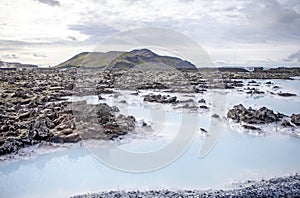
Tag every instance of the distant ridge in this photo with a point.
(4, 64)
(123, 60)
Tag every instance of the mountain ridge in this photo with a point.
(123, 60)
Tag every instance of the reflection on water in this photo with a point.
(235, 157)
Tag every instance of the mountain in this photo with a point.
(15, 65)
(91, 59)
(123, 60)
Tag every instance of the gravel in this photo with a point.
(288, 186)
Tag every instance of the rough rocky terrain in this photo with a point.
(32, 110)
(276, 187)
(32, 106)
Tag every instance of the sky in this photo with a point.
(232, 32)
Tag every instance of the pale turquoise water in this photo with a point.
(235, 157)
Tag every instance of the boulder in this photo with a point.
(250, 127)
(160, 98)
(203, 107)
(295, 118)
(10, 145)
(286, 123)
(286, 94)
(215, 116)
(201, 101)
(39, 129)
(261, 116)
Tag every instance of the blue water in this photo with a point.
(235, 157)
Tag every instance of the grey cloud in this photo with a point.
(72, 38)
(250, 22)
(263, 21)
(39, 55)
(12, 42)
(50, 2)
(96, 31)
(18, 43)
(222, 63)
(293, 57)
(242, 22)
(9, 56)
(186, 0)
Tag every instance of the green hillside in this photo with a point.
(122, 60)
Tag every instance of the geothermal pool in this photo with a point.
(236, 156)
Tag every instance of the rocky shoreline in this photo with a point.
(288, 186)
(33, 106)
(33, 109)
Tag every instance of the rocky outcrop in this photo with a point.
(253, 91)
(101, 121)
(153, 85)
(252, 119)
(261, 116)
(32, 109)
(250, 127)
(295, 118)
(160, 98)
(24, 125)
(112, 123)
(286, 94)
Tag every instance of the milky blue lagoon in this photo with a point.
(237, 156)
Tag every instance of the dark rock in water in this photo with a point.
(286, 123)
(9, 146)
(201, 101)
(160, 98)
(100, 97)
(261, 116)
(252, 81)
(227, 86)
(105, 113)
(251, 127)
(203, 107)
(199, 89)
(203, 130)
(295, 118)
(286, 94)
(99, 91)
(113, 125)
(135, 93)
(153, 85)
(254, 91)
(187, 101)
(236, 83)
(215, 116)
(191, 106)
(123, 101)
(268, 83)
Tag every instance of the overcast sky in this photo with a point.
(240, 32)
